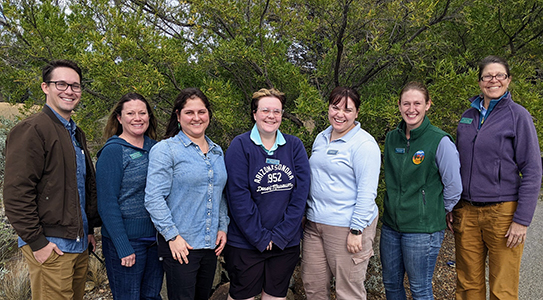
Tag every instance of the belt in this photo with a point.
(481, 204)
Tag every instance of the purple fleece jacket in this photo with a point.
(500, 161)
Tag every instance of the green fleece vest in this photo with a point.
(414, 191)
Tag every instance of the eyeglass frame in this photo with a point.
(68, 85)
(493, 76)
(272, 111)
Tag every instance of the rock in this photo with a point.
(89, 286)
(221, 293)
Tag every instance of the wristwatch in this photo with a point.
(356, 231)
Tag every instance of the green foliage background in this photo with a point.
(231, 48)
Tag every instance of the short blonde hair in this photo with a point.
(273, 92)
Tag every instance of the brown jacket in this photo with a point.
(40, 185)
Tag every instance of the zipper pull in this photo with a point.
(424, 197)
(78, 239)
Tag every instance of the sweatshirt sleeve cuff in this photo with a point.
(123, 247)
(279, 241)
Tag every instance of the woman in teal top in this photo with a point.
(128, 235)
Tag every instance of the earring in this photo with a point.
(178, 125)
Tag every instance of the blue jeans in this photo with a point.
(141, 281)
(414, 253)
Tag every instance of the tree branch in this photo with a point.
(339, 41)
(261, 38)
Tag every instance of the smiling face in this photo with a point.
(268, 123)
(413, 107)
(494, 88)
(342, 117)
(194, 118)
(63, 102)
(134, 118)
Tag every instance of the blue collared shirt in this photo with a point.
(344, 179)
(479, 104)
(279, 140)
(68, 245)
(184, 191)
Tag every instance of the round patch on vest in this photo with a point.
(418, 157)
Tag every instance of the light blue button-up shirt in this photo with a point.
(184, 192)
(68, 245)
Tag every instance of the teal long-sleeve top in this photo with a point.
(121, 173)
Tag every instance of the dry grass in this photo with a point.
(97, 272)
(8, 242)
(15, 283)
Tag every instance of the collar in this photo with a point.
(279, 140)
(478, 102)
(70, 125)
(187, 141)
(417, 132)
(345, 138)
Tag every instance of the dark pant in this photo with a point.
(141, 281)
(252, 271)
(188, 281)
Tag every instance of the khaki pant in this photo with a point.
(59, 277)
(325, 255)
(478, 231)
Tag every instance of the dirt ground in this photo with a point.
(13, 111)
(444, 281)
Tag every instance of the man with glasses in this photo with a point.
(50, 189)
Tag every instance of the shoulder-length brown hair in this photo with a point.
(173, 127)
(113, 127)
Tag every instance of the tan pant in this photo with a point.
(59, 277)
(478, 231)
(325, 255)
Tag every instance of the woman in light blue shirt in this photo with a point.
(184, 196)
(341, 210)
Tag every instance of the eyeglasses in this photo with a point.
(62, 86)
(276, 112)
(500, 76)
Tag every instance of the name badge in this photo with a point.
(272, 161)
(136, 155)
(400, 150)
(332, 152)
(466, 121)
